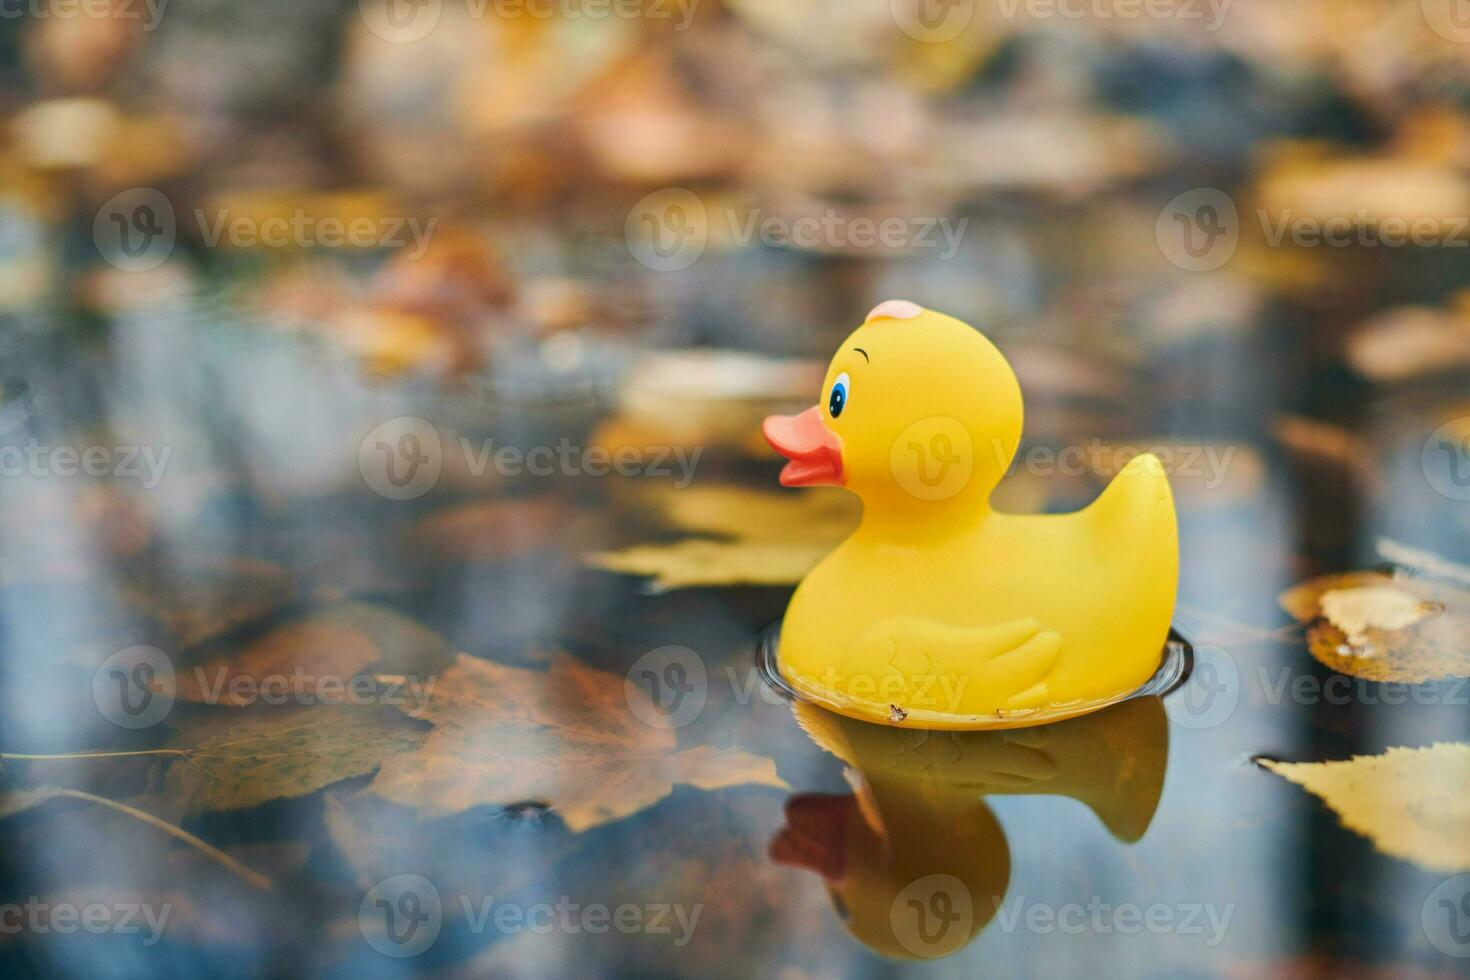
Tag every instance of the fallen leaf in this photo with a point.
(1411, 803)
(772, 538)
(1383, 627)
(569, 737)
(1379, 607)
(200, 598)
(312, 656)
(242, 759)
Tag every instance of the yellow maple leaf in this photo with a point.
(1413, 803)
(569, 736)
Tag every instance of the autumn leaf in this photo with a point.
(329, 647)
(1384, 627)
(1412, 803)
(568, 736)
(242, 759)
(771, 538)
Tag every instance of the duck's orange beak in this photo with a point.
(814, 450)
(815, 835)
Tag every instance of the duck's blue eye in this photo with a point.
(837, 401)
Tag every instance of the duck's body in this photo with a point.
(939, 611)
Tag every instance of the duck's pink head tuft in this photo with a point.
(894, 309)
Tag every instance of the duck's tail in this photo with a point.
(1134, 516)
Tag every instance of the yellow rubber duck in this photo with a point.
(914, 859)
(940, 612)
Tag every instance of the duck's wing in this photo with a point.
(962, 669)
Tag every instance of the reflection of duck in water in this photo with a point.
(916, 863)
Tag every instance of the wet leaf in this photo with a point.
(774, 538)
(242, 759)
(1413, 803)
(1385, 627)
(309, 657)
(568, 737)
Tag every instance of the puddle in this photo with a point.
(1176, 662)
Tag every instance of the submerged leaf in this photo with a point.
(1413, 803)
(242, 759)
(567, 736)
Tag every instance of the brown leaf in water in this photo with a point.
(1412, 803)
(200, 598)
(242, 759)
(317, 656)
(1383, 627)
(567, 736)
(773, 538)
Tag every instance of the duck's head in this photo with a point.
(917, 408)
